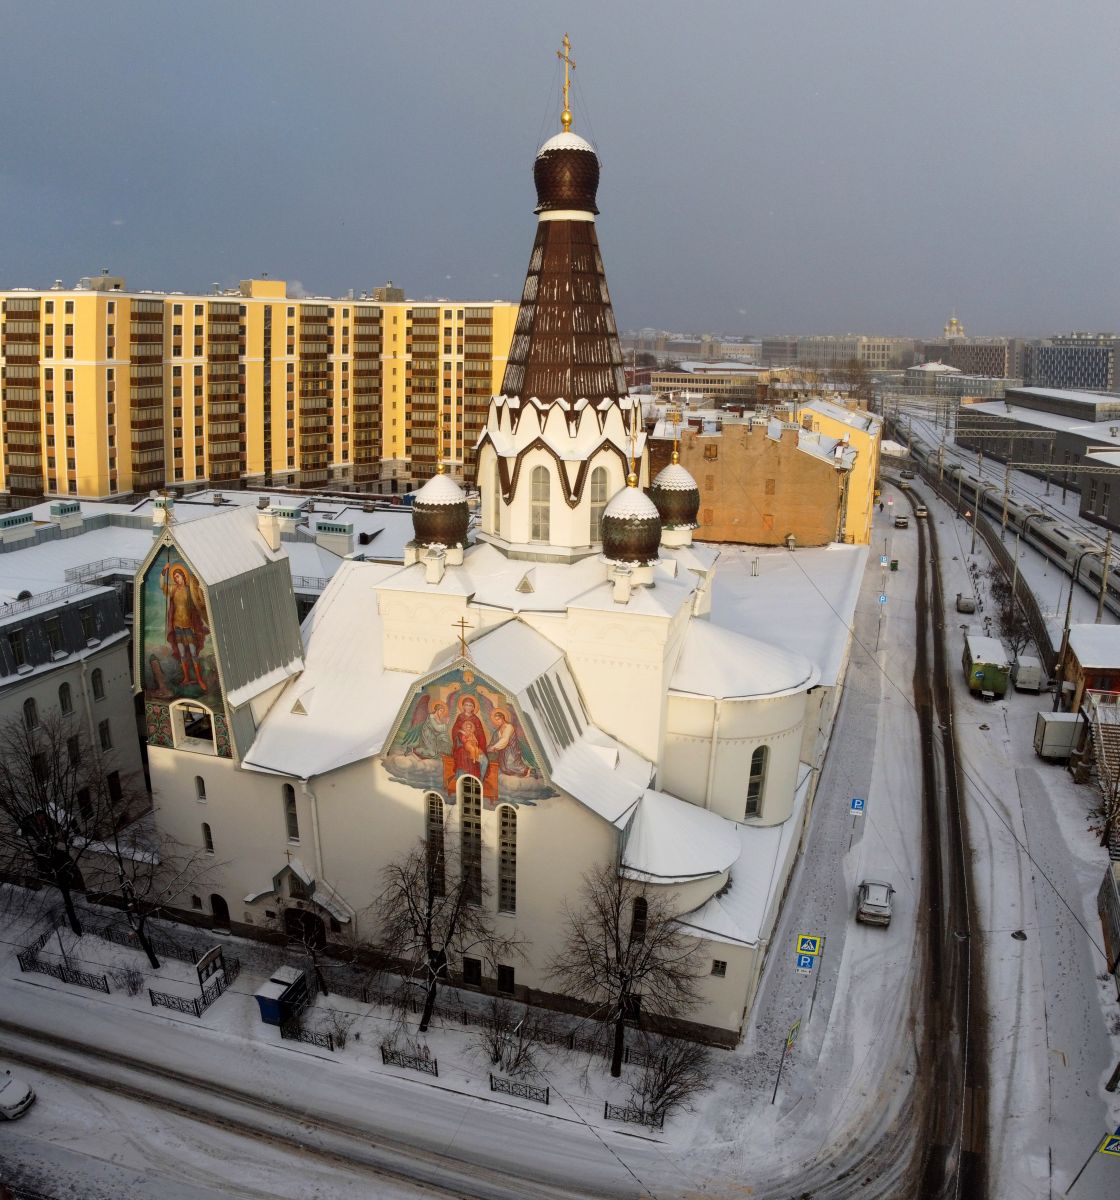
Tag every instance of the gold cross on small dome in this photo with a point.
(565, 57)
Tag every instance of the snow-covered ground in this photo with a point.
(845, 1083)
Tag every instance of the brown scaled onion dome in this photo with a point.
(566, 174)
(439, 513)
(677, 496)
(631, 526)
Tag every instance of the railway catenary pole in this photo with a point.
(1104, 577)
(1006, 494)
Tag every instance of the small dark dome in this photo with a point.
(631, 527)
(566, 174)
(439, 513)
(677, 497)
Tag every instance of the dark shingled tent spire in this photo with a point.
(565, 344)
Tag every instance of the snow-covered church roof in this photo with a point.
(720, 663)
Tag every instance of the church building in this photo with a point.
(540, 684)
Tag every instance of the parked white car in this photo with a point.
(873, 902)
(16, 1097)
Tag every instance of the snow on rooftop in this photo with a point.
(719, 662)
(565, 141)
(631, 503)
(1096, 645)
(674, 478)
(602, 774)
(440, 490)
(670, 840)
(743, 912)
(987, 649)
(226, 544)
(802, 600)
(514, 655)
(349, 699)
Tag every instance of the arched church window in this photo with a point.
(200, 789)
(496, 501)
(639, 915)
(507, 859)
(207, 838)
(756, 781)
(470, 837)
(65, 699)
(97, 683)
(539, 505)
(30, 714)
(291, 814)
(437, 882)
(598, 502)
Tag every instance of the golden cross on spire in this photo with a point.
(462, 625)
(565, 57)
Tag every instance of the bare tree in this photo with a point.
(626, 955)
(145, 874)
(672, 1073)
(433, 911)
(509, 1036)
(1011, 618)
(60, 793)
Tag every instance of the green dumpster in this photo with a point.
(894, 564)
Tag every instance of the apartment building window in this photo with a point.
(50, 306)
(505, 980)
(719, 967)
(176, 310)
(53, 627)
(198, 310)
(472, 972)
(105, 735)
(1092, 495)
(18, 647)
(69, 306)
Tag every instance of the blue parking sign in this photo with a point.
(858, 805)
(804, 962)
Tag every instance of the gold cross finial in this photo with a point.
(565, 57)
(462, 625)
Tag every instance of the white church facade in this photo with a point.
(541, 686)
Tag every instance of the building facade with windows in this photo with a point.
(546, 697)
(64, 659)
(107, 392)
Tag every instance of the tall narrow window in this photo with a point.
(538, 509)
(97, 684)
(437, 882)
(207, 838)
(30, 714)
(639, 915)
(65, 699)
(470, 838)
(53, 627)
(200, 789)
(291, 817)
(756, 781)
(598, 494)
(105, 734)
(496, 516)
(507, 859)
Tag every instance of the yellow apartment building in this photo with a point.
(863, 431)
(108, 392)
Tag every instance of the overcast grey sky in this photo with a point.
(768, 165)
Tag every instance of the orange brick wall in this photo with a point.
(756, 490)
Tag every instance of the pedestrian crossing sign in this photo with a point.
(809, 943)
(1111, 1144)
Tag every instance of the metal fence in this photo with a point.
(29, 961)
(514, 1087)
(633, 1116)
(414, 1062)
(197, 1005)
(292, 1031)
(161, 948)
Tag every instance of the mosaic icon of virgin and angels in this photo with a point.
(459, 725)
